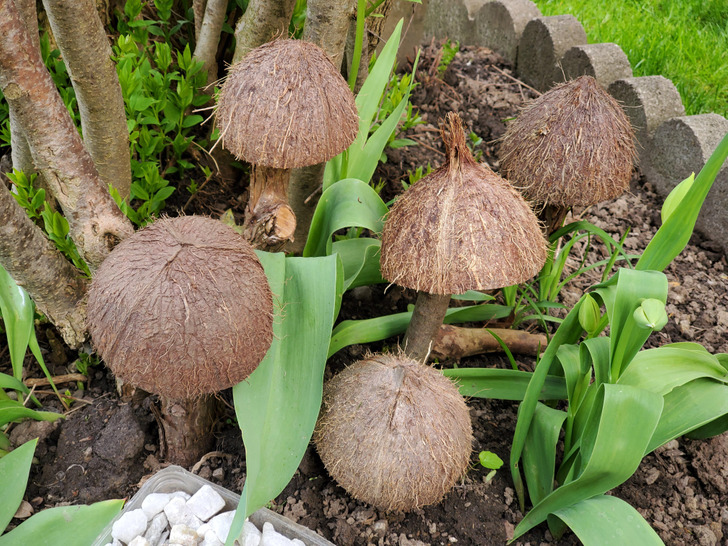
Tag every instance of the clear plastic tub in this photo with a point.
(176, 478)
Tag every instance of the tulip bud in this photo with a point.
(589, 314)
(651, 314)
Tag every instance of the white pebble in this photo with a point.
(129, 526)
(211, 539)
(178, 514)
(297, 542)
(156, 529)
(140, 541)
(221, 524)
(202, 529)
(154, 503)
(205, 503)
(272, 538)
(251, 534)
(183, 535)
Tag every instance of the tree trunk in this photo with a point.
(209, 37)
(81, 37)
(96, 223)
(57, 288)
(327, 24)
(187, 429)
(261, 22)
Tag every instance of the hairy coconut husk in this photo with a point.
(285, 105)
(573, 145)
(462, 227)
(181, 308)
(393, 432)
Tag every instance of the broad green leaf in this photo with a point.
(17, 310)
(621, 430)
(348, 203)
(661, 370)
(539, 452)
(689, 407)
(360, 259)
(675, 232)
(13, 410)
(67, 525)
(608, 520)
(502, 384)
(9, 382)
(277, 406)
(350, 332)
(14, 471)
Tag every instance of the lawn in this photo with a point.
(683, 40)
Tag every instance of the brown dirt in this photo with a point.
(680, 488)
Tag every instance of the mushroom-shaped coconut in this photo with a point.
(394, 432)
(572, 146)
(284, 105)
(460, 228)
(182, 309)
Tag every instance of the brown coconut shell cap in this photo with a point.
(573, 145)
(393, 432)
(462, 227)
(285, 105)
(181, 308)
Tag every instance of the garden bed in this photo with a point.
(107, 446)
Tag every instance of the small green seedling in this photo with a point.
(491, 461)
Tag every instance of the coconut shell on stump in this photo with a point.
(182, 309)
(284, 105)
(462, 227)
(572, 146)
(393, 432)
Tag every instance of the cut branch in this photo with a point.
(81, 37)
(96, 223)
(458, 342)
(269, 221)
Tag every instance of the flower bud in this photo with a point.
(589, 314)
(651, 314)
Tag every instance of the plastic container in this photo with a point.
(176, 478)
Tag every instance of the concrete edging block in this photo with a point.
(544, 41)
(605, 62)
(499, 25)
(681, 146)
(648, 101)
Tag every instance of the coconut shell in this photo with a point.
(462, 227)
(393, 432)
(181, 308)
(285, 105)
(573, 145)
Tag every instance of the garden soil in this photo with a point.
(108, 444)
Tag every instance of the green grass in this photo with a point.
(683, 40)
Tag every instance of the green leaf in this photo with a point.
(539, 452)
(139, 103)
(277, 406)
(490, 460)
(14, 471)
(674, 234)
(608, 520)
(13, 410)
(191, 120)
(360, 260)
(348, 203)
(67, 525)
(624, 418)
(17, 311)
(502, 384)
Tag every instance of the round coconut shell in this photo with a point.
(285, 105)
(393, 432)
(181, 308)
(462, 227)
(573, 145)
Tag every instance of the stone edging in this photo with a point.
(548, 50)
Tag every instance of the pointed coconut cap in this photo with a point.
(181, 308)
(462, 227)
(393, 432)
(574, 145)
(285, 105)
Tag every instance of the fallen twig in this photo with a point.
(458, 342)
